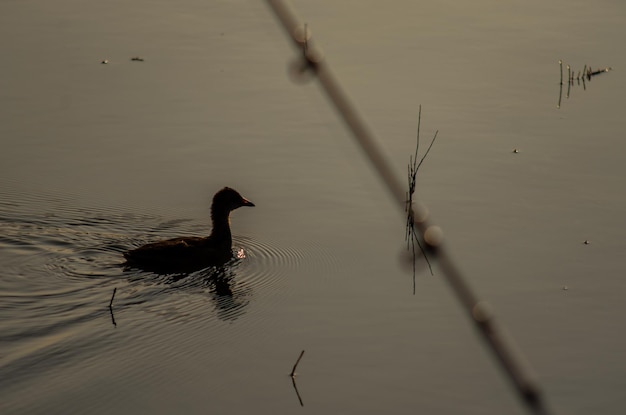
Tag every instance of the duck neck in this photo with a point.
(221, 228)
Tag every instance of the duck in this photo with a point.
(193, 252)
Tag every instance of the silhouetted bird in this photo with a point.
(193, 252)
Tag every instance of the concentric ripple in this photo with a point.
(75, 252)
(264, 264)
(61, 263)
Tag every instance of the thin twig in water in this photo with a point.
(112, 297)
(293, 371)
(569, 74)
(111, 307)
(293, 377)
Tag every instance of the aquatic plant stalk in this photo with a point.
(431, 235)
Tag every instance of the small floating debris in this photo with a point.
(565, 288)
(137, 58)
(515, 150)
(104, 61)
(587, 242)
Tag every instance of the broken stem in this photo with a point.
(112, 297)
(293, 371)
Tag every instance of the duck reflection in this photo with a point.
(228, 296)
(220, 282)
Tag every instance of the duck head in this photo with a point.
(228, 199)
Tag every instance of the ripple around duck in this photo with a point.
(62, 262)
(256, 271)
(260, 271)
(264, 264)
(268, 255)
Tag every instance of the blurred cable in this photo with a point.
(312, 62)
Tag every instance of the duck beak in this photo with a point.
(246, 202)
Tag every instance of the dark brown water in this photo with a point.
(99, 158)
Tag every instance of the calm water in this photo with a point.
(97, 159)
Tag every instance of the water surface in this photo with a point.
(99, 158)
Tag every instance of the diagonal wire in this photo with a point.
(493, 334)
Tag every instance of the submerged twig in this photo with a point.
(293, 371)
